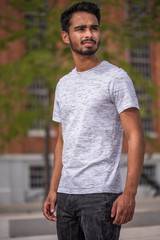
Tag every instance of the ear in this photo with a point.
(65, 37)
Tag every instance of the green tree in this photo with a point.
(42, 61)
(46, 58)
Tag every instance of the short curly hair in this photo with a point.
(79, 7)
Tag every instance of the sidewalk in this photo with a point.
(17, 221)
(140, 233)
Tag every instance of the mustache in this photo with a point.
(86, 40)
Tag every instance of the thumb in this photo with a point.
(114, 209)
(52, 207)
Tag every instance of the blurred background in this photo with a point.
(32, 60)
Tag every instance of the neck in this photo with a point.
(84, 63)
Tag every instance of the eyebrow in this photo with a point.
(84, 26)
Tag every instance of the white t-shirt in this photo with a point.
(88, 105)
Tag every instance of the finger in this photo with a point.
(126, 217)
(47, 215)
(129, 217)
(52, 210)
(123, 217)
(122, 220)
(50, 216)
(114, 209)
(54, 219)
(53, 216)
(117, 221)
(118, 217)
(52, 207)
(46, 210)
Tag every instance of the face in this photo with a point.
(84, 34)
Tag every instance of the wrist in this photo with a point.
(52, 191)
(131, 188)
(130, 192)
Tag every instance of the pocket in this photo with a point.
(113, 196)
(62, 200)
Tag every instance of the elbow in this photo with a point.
(137, 139)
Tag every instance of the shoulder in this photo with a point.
(112, 74)
(109, 68)
(65, 80)
(118, 79)
(122, 79)
(116, 74)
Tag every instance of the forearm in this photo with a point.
(135, 162)
(50, 202)
(123, 207)
(57, 167)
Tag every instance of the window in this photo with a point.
(36, 177)
(37, 20)
(140, 60)
(41, 96)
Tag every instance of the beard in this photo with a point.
(87, 52)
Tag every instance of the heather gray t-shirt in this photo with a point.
(88, 104)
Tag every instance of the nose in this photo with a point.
(88, 34)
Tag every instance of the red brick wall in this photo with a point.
(155, 59)
(21, 144)
(13, 52)
(17, 48)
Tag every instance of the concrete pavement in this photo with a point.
(26, 222)
(140, 233)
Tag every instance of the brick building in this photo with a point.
(26, 154)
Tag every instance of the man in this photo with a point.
(92, 104)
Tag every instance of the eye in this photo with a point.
(95, 28)
(80, 29)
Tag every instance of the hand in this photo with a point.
(49, 206)
(123, 208)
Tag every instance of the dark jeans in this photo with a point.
(86, 217)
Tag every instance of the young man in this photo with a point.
(92, 104)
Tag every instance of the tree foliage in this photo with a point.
(37, 25)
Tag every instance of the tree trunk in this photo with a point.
(47, 162)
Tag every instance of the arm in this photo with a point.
(123, 207)
(50, 202)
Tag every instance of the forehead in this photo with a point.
(83, 18)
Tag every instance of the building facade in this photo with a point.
(22, 161)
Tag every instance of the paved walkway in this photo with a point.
(145, 225)
(138, 233)
(141, 233)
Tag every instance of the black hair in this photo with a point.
(79, 7)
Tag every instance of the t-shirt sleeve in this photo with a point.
(123, 92)
(56, 108)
